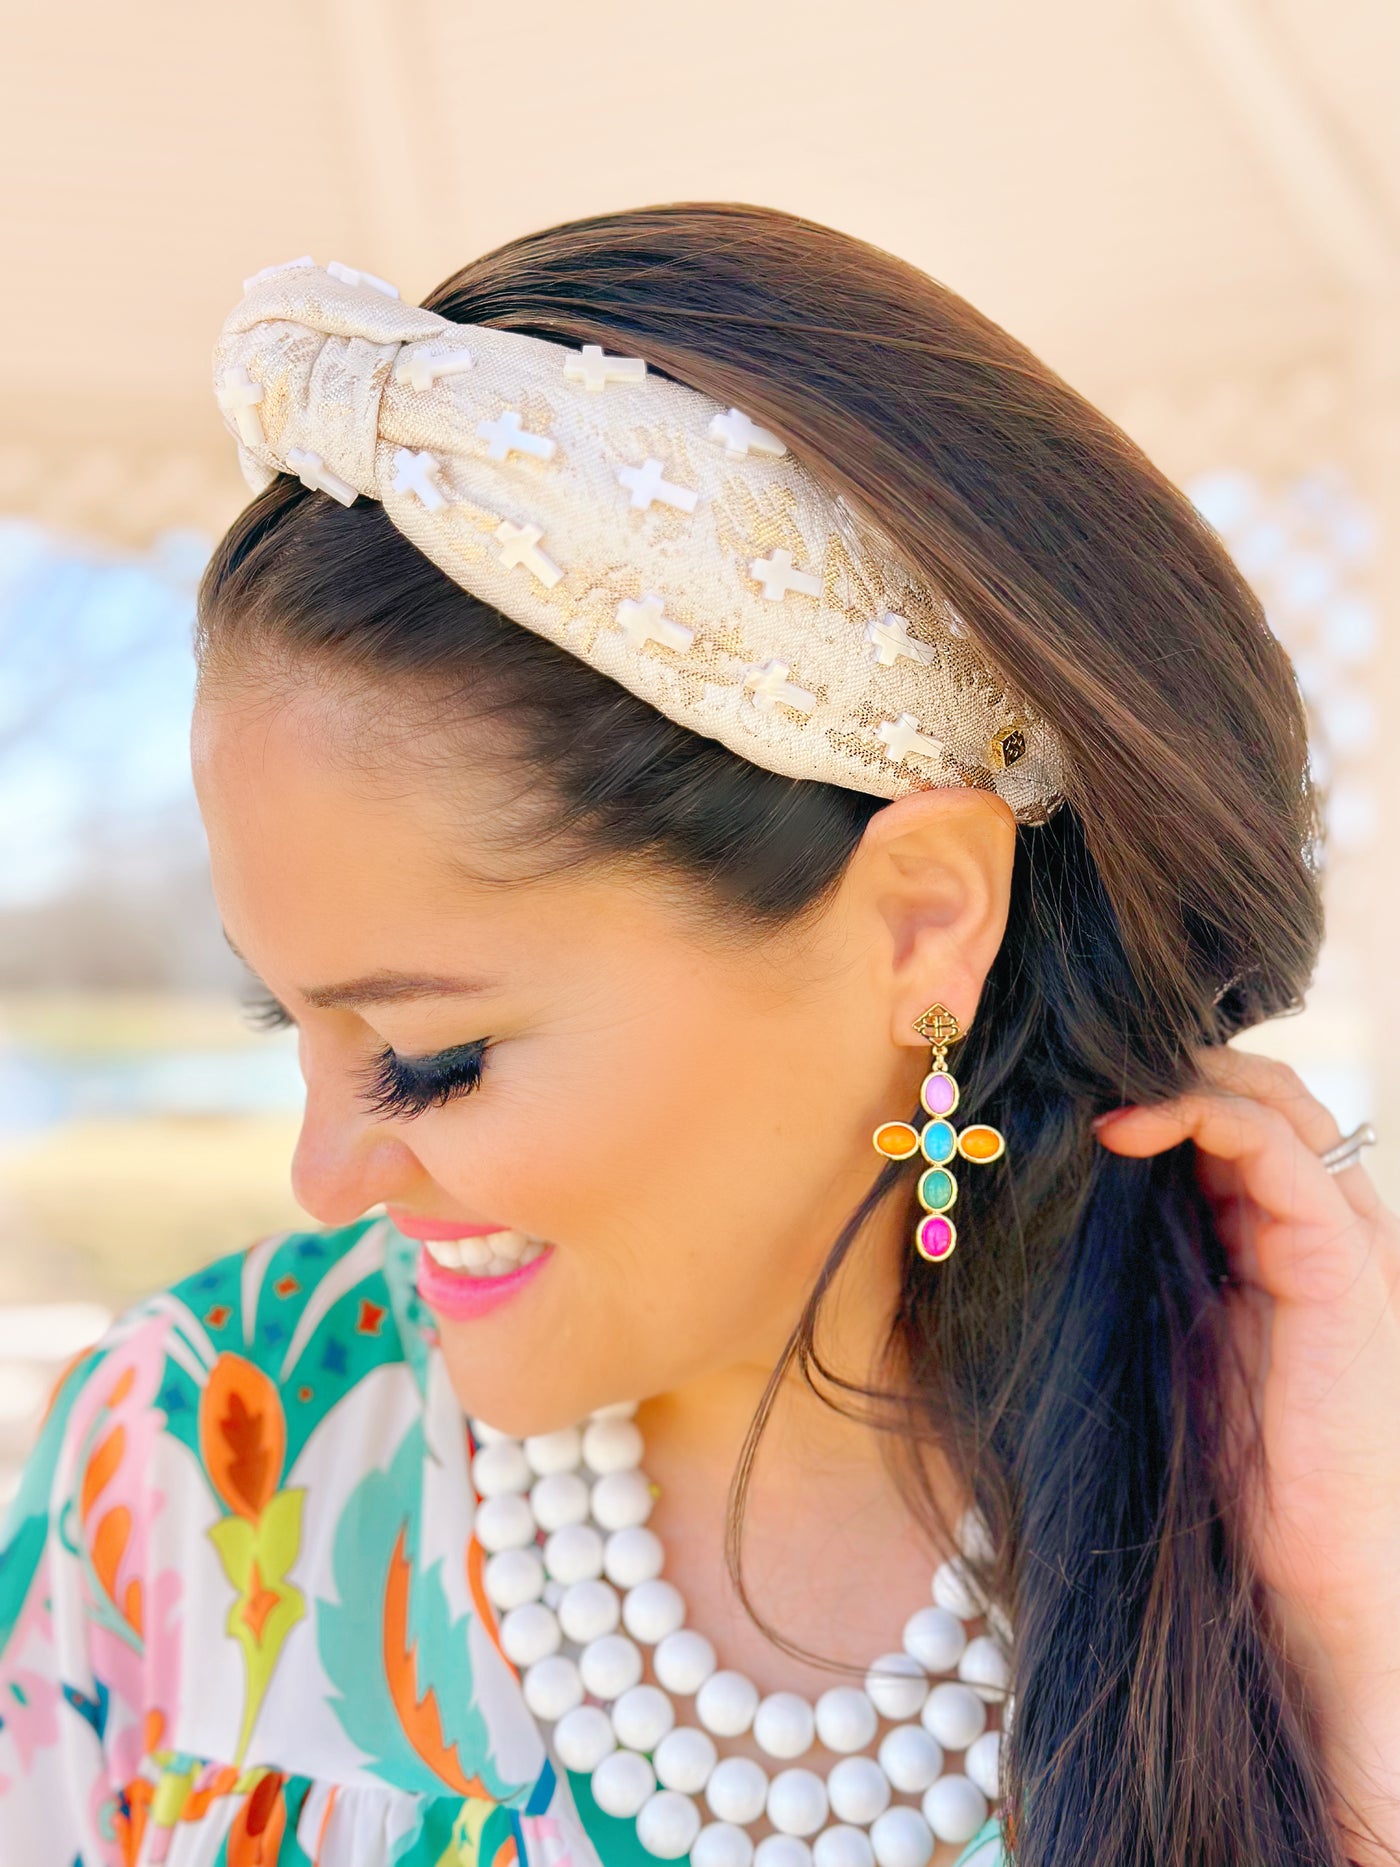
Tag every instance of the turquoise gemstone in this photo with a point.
(937, 1189)
(939, 1142)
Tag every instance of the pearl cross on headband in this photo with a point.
(677, 546)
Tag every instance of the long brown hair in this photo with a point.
(1069, 1359)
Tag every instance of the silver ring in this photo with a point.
(1345, 1152)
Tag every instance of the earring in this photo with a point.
(935, 1234)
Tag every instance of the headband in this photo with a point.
(671, 543)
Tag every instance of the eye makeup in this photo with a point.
(402, 1087)
(391, 1086)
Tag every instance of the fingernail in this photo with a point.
(1113, 1115)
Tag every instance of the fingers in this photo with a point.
(1237, 1227)
(1244, 1073)
(1281, 1088)
(1273, 1167)
(1309, 1243)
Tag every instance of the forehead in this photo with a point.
(302, 764)
(333, 832)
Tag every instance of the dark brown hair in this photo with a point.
(1069, 1361)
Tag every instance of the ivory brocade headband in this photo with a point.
(671, 543)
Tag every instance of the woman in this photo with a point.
(707, 697)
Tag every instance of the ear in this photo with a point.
(931, 882)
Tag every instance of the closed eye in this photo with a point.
(391, 1086)
(401, 1087)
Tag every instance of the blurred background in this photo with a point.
(1190, 208)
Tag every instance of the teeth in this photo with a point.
(493, 1254)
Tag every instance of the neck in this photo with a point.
(705, 1418)
(824, 1502)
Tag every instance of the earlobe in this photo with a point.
(939, 880)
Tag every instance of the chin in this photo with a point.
(523, 1408)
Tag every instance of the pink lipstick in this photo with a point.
(466, 1271)
(462, 1296)
(413, 1227)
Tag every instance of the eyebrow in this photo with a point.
(385, 988)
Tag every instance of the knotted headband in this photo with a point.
(669, 542)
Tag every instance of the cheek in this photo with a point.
(565, 1135)
(696, 1127)
(690, 1186)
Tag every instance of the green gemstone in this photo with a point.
(937, 1189)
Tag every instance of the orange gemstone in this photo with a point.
(981, 1143)
(897, 1140)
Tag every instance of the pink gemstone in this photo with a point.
(936, 1236)
(940, 1096)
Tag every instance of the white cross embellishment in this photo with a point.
(520, 545)
(507, 437)
(740, 435)
(352, 275)
(777, 576)
(904, 740)
(417, 473)
(648, 482)
(768, 683)
(312, 471)
(889, 636)
(421, 368)
(595, 370)
(239, 396)
(644, 622)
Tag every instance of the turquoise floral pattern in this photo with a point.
(242, 1621)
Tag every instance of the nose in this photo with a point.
(345, 1162)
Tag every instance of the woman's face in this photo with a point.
(680, 1115)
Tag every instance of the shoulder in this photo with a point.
(313, 1313)
(233, 1372)
(243, 1533)
(298, 1321)
(252, 1358)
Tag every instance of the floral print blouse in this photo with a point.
(242, 1621)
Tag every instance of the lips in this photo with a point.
(413, 1227)
(461, 1279)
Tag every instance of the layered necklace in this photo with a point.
(576, 1579)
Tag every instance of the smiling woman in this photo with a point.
(689, 698)
(627, 1036)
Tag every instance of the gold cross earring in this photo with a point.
(935, 1234)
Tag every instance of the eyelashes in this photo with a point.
(396, 1086)
(264, 1012)
(391, 1086)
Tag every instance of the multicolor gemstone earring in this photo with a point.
(935, 1235)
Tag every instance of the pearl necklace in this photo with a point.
(562, 1518)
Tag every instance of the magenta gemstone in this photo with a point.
(939, 1094)
(936, 1236)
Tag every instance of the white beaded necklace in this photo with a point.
(576, 1612)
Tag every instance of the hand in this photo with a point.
(1313, 1305)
